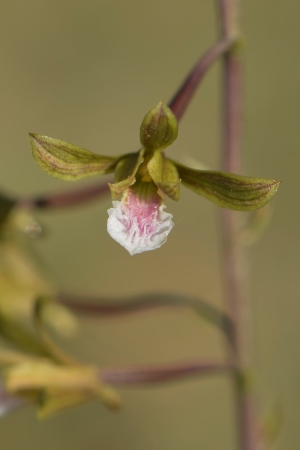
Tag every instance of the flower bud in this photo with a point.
(159, 127)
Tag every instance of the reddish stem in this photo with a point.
(69, 198)
(93, 307)
(128, 376)
(236, 298)
(185, 93)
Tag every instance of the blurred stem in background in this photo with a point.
(234, 264)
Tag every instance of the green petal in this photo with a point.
(165, 175)
(228, 190)
(125, 172)
(66, 161)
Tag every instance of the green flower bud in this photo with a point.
(159, 127)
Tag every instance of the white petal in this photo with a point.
(139, 226)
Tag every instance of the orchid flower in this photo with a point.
(138, 220)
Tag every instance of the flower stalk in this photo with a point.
(234, 263)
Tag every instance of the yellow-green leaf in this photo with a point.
(53, 401)
(43, 374)
(68, 162)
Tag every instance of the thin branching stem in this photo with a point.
(159, 373)
(111, 307)
(73, 197)
(134, 376)
(185, 93)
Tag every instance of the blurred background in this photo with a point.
(87, 72)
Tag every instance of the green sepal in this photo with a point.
(164, 174)
(228, 190)
(125, 172)
(68, 162)
(159, 127)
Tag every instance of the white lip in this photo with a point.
(139, 226)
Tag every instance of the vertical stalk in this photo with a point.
(233, 254)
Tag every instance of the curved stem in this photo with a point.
(185, 93)
(145, 302)
(63, 199)
(133, 376)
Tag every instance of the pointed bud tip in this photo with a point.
(228, 190)
(67, 161)
(159, 127)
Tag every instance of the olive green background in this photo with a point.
(87, 72)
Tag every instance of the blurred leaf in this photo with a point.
(228, 190)
(19, 334)
(255, 227)
(59, 319)
(56, 353)
(53, 401)
(109, 397)
(66, 161)
(9, 357)
(18, 265)
(58, 386)
(6, 205)
(272, 423)
(43, 374)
